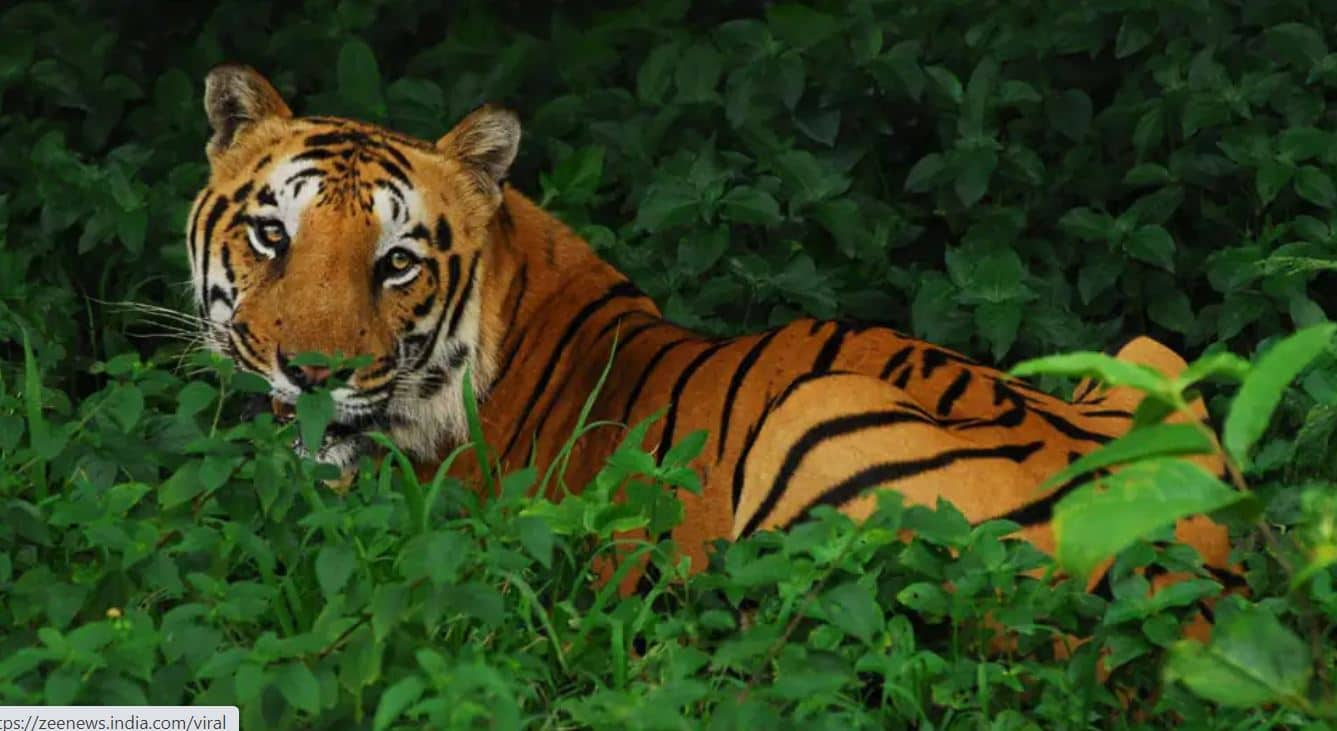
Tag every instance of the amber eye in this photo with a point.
(269, 237)
(400, 260)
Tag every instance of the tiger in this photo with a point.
(336, 235)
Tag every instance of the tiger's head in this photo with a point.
(336, 236)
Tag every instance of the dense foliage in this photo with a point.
(1011, 179)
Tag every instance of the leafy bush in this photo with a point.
(1012, 180)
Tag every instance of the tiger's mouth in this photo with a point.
(345, 440)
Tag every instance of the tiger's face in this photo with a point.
(333, 236)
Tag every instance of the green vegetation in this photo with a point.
(1010, 179)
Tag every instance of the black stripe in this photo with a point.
(740, 467)
(395, 171)
(453, 271)
(1086, 390)
(889, 473)
(932, 360)
(635, 394)
(326, 139)
(903, 380)
(243, 352)
(266, 196)
(242, 192)
(397, 155)
(218, 293)
(953, 392)
(262, 162)
(422, 309)
(1108, 413)
(679, 386)
(420, 233)
(1069, 429)
(1228, 578)
(545, 418)
(193, 241)
(314, 155)
(304, 173)
(736, 383)
(896, 360)
(443, 237)
(621, 290)
(522, 281)
(220, 206)
(830, 349)
(464, 296)
(811, 439)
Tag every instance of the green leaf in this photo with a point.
(746, 204)
(45, 442)
(437, 555)
(699, 251)
(667, 203)
(852, 608)
(478, 600)
(924, 597)
(1302, 143)
(1171, 309)
(801, 26)
(1227, 365)
(655, 76)
(1299, 43)
(973, 168)
(395, 700)
(698, 73)
(299, 686)
(360, 78)
(1087, 225)
(946, 81)
(1106, 368)
(125, 404)
(1272, 176)
(182, 486)
(537, 538)
(1148, 173)
(1251, 410)
(1315, 186)
(1070, 113)
(1159, 440)
(1153, 245)
(194, 398)
(1133, 37)
(686, 448)
(998, 323)
(334, 566)
(924, 173)
(1149, 131)
(315, 411)
(1098, 520)
(1253, 660)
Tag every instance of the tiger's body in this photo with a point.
(807, 414)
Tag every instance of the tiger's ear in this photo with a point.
(236, 97)
(486, 142)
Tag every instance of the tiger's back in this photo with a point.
(810, 413)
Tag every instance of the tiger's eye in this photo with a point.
(400, 260)
(273, 234)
